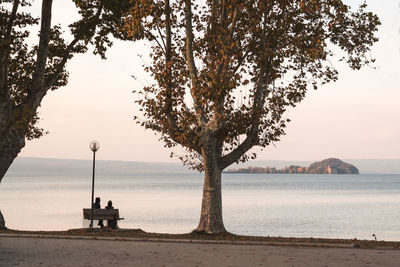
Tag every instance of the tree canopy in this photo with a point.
(207, 54)
(28, 70)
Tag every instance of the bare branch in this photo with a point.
(241, 61)
(191, 62)
(153, 37)
(161, 37)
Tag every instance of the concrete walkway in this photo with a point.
(33, 251)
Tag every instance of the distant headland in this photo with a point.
(327, 166)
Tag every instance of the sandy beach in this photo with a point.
(25, 250)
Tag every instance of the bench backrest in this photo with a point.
(101, 214)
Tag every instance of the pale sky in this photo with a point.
(356, 117)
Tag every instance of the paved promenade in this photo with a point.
(28, 251)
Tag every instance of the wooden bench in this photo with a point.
(102, 214)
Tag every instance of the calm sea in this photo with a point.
(336, 206)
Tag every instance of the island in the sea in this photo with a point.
(327, 166)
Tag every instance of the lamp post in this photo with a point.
(94, 146)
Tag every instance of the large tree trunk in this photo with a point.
(211, 207)
(2, 222)
(10, 145)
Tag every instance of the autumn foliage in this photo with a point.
(29, 69)
(226, 71)
(230, 69)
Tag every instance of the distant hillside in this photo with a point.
(332, 166)
(327, 166)
(365, 166)
(48, 166)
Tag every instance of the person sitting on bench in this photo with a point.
(96, 205)
(111, 223)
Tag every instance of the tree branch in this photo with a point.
(61, 66)
(237, 153)
(191, 62)
(251, 136)
(258, 104)
(161, 36)
(173, 129)
(213, 16)
(5, 52)
(233, 22)
(68, 50)
(12, 19)
(38, 76)
(223, 12)
(155, 39)
(240, 61)
(224, 64)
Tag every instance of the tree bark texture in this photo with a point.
(11, 144)
(211, 207)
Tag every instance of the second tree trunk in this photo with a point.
(211, 206)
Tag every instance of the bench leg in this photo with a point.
(112, 224)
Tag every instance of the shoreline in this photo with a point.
(201, 238)
(133, 247)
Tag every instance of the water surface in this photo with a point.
(332, 206)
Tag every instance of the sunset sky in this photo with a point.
(356, 117)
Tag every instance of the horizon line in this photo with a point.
(178, 161)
